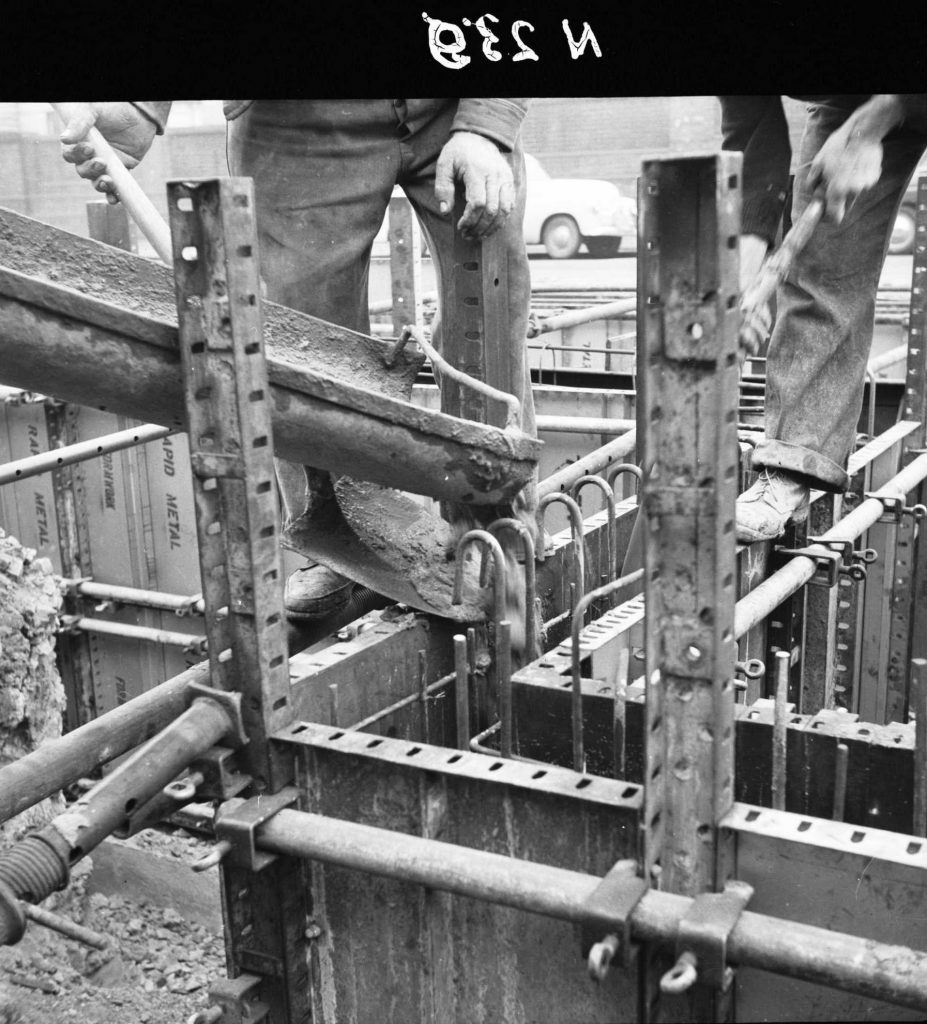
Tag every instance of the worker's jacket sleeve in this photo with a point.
(154, 110)
(499, 120)
(756, 126)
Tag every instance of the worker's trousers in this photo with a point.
(323, 172)
(816, 369)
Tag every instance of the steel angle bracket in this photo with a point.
(894, 508)
(838, 558)
(238, 820)
(222, 777)
(613, 900)
(705, 928)
(238, 999)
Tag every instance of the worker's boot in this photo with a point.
(315, 592)
(764, 510)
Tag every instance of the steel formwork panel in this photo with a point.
(868, 882)
(390, 950)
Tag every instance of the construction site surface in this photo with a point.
(699, 791)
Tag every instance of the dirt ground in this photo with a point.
(157, 967)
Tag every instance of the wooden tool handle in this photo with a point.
(758, 296)
(130, 194)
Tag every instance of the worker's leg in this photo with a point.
(821, 340)
(323, 172)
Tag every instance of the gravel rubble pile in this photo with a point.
(156, 969)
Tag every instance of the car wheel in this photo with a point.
(561, 237)
(604, 247)
(902, 240)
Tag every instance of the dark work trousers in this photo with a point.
(323, 172)
(825, 315)
(816, 368)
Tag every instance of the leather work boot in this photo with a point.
(764, 510)
(315, 591)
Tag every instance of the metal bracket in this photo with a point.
(238, 820)
(615, 897)
(838, 558)
(704, 930)
(222, 779)
(894, 508)
(230, 700)
(237, 999)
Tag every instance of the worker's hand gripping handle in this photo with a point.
(756, 299)
(130, 193)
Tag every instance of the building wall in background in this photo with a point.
(587, 137)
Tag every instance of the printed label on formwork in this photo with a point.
(31, 502)
(175, 556)
(9, 506)
(110, 508)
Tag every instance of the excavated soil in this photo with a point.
(32, 698)
(157, 966)
(156, 969)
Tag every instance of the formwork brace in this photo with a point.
(753, 608)
(895, 974)
(70, 454)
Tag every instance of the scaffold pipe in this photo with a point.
(59, 762)
(584, 424)
(575, 317)
(44, 462)
(756, 605)
(613, 452)
(895, 974)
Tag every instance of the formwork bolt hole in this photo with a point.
(857, 837)
(336, 735)
(539, 775)
(695, 331)
(413, 751)
(454, 758)
(803, 826)
(693, 653)
(131, 805)
(583, 783)
(495, 766)
(630, 791)
(299, 728)
(374, 743)
(752, 815)
(914, 847)
(703, 831)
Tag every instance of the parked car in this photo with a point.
(563, 213)
(902, 240)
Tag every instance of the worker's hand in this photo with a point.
(123, 126)
(846, 165)
(756, 314)
(752, 252)
(489, 187)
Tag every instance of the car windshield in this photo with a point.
(534, 170)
